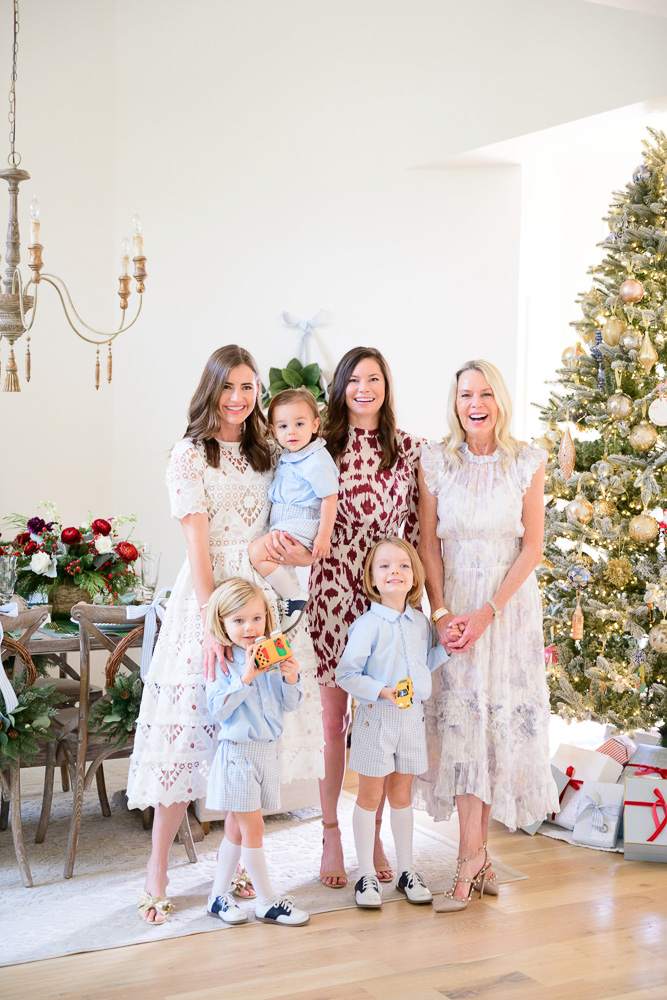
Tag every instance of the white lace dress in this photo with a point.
(488, 717)
(176, 739)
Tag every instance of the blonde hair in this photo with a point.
(231, 595)
(287, 396)
(414, 597)
(505, 442)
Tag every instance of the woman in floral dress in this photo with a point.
(218, 477)
(481, 510)
(377, 497)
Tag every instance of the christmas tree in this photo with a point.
(604, 575)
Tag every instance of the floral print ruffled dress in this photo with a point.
(488, 717)
(176, 739)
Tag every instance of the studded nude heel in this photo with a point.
(491, 884)
(448, 902)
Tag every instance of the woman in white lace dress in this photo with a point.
(218, 477)
(481, 513)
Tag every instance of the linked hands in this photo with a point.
(470, 626)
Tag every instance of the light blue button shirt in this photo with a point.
(304, 477)
(250, 711)
(383, 646)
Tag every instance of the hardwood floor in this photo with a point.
(586, 925)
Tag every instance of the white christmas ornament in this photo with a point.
(657, 411)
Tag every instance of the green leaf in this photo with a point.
(292, 378)
(277, 387)
(114, 717)
(311, 374)
(4, 739)
(275, 375)
(295, 365)
(41, 722)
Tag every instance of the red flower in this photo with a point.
(127, 551)
(31, 548)
(22, 538)
(71, 536)
(101, 527)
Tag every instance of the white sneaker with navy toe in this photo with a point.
(281, 910)
(226, 908)
(367, 892)
(411, 884)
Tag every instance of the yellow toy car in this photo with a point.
(404, 693)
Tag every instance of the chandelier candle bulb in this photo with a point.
(34, 221)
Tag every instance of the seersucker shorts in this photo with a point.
(301, 523)
(386, 739)
(244, 777)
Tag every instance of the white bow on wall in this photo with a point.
(310, 343)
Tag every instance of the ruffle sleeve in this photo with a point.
(433, 465)
(527, 462)
(185, 480)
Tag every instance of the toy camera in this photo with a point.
(270, 652)
(404, 693)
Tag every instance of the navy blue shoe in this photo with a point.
(292, 611)
(226, 908)
(281, 910)
(367, 892)
(411, 884)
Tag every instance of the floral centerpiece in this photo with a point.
(93, 561)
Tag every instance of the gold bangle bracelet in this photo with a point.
(438, 614)
(497, 613)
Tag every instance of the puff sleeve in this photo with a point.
(185, 480)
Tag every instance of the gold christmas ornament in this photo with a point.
(643, 528)
(580, 509)
(591, 301)
(657, 637)
(631, 290)
(544, 442)
(566, 454)
(630, 341)
(619, 572)
(648, 355)
(604, 508)
(643, 436)
(570, 355)
(619, 406)
(612, 331)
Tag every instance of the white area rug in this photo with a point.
(97, 907)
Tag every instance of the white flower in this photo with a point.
(40, 562)
(103, 543)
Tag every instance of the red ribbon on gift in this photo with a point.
(572, 783)
(658, 804)
(644, 769)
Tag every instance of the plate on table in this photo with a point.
(112, 628)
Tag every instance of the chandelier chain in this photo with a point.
(14, 158)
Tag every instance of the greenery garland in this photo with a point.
(22, 729)
(114, 716)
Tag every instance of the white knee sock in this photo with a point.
(401, 827)
(255, 862)
(228, 858)
(284, 583)
(363, 826)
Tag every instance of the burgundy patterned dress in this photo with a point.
(371, 505)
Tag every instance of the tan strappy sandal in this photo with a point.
(448, 902)
(337, 873)
(160, 904)
(383, 874)
(491, 884)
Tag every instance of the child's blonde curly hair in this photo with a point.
(231, 595)
(414, 597)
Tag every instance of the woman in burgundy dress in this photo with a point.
(377, 497)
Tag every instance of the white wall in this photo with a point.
(270, 147)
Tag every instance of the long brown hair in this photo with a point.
(337, 421)
(204, 419)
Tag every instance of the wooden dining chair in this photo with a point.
(79, 747)
(15, 656)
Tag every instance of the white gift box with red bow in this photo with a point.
(645, 820)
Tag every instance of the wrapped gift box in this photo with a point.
(647, 761)
(645, 820)
(562, 781)
(599, 815)
(581, 765)
(620, 748)
(641, 736)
